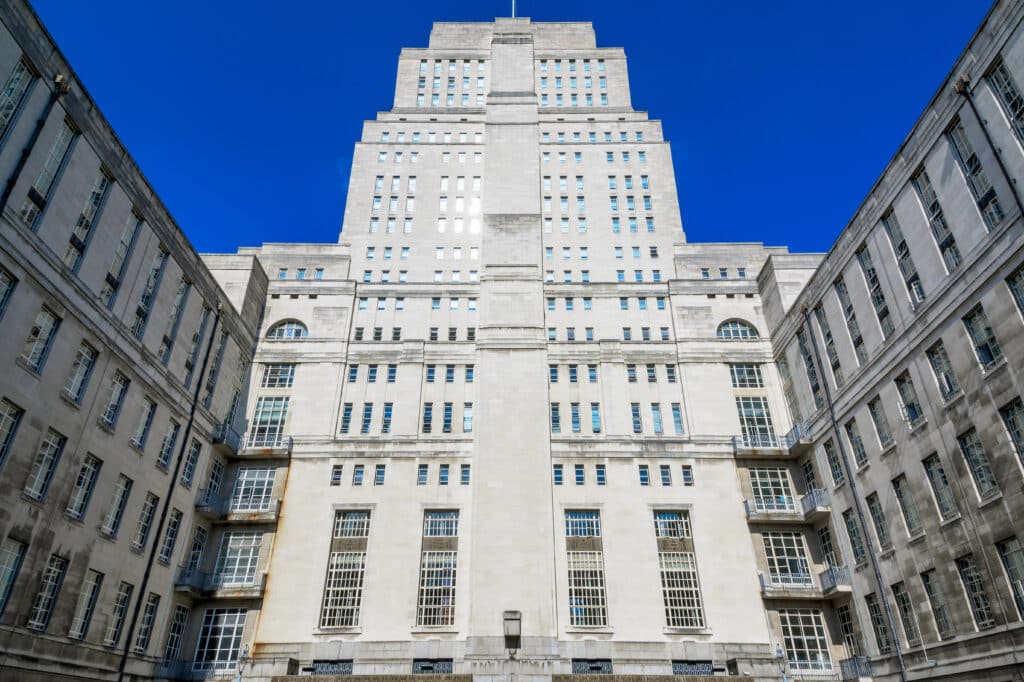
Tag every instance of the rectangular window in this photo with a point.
(12, 95)
(146, 623)
(428, 413)
(118, 390)
(843, 294)
(86, 604)
(118, 502)
(170, 536)
(985, 345)
(881, 422)
(908, 396)
(41, 189)
(803, 637)
(903, 258)
(949, 386)
(787, 559)
(163, 459)
(860, 455)
(834, 465)
(937, 602)
(44, 465)
(464, 473)
(40, 339)
(146, 514)
(941, 490)
(557, 474)
(364, 427)
(908, 506)
(853, 533)
(115, 274)
(343, 589)
(267, 427)
(983, 191)
(118, 613)
(634, 409)
(883, 636)
(830, 345)
(1011, 553)
(1014, 281)
(817, 392)
(978, 463)
(944, 238)
(46, 597)
(11, 554)
(677, 418)
(1005, 88)
(149, 291)
(176, 632)
(875, 290)
(1012, 415)
(908, 618)
(745, 375)
(281, 376)
(81, 370)
(220, 638)
(145, 423)
(756, 422)
(378, 474)
(771, 489)
(237, 559)
(977, 597)
(878, 520)
(84, 484)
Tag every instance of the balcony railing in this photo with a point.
(786, 581)
(756, 441)
(259, 440)
(815, 498)
(210, 503)
(209, 582)
(835, 577)
(797, 435)
(854, 668)
(191, 670)
(224, 435)
(773, 503)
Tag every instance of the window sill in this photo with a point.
(952, 520)
(76, 520)
(916, 537)
(686, 631)
(434, 630)
(106, 426)
(21, 362)
(861, 566)
(69, 401)
(995, 368)
(953, 400)
(140, 449)
(918, 426)
(341, 630)
(589, 629)
(990, 500)
(887, 552)
(32, 500)
(861, 468)
(887, 450)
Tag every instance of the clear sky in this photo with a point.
(243, 113)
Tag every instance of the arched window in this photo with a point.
(736, 330)
(287, 330)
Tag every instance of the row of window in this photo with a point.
(300, 273)
(609, 157)
(627, 334)
(454, 276)
(581, 204)
(467, 83)
(723, 273)
(574, 100)
(577, 136)
(414, 157)
(572, 371)
(569, 303)
(446, 137)
(601, 474)
(575, 418)
(573, 82)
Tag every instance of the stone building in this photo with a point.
(512, 423)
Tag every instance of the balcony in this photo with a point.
(218, 585)
(226, 440)
(263, 444)
(759, 445)
(237, 511)
(187, 670)
(855, 668)
(835, 582)
(816, 504)
(788, 586)
(798, 441)
(779, 508)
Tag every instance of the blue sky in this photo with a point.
(243, 113)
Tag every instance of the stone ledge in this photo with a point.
(376, 678)
(642, 678)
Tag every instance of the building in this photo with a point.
(512, 423)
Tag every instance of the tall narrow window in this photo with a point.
(881, 422)
(949, 385)
(1012, 414)
(977, 597)
(174, 320)
(903, 258)
(944, 238)
(118, 390)
(860, 456)
(944, 499)
(803, 636)
(1011, 553)
(176, 632)
(118, 613)
(81, 370)
(167, 446)
(346, 566)
(985, 345)
(908, 618)
(267, 428)
(46, 597)
(1005, 88)
(878, 520)
(585, 562)
(860, 554)
(812, 372)
(937, 602)
(680, 586)
(830, 346)
(44, 465)
(983, 191)
(220, 639)
(13, 94)
(83, 226)
(867, 266)
(141, 535)
(170, 536)
(40, 339)
(843, 294)
(112, 282)
(84, 484)
(978, 463)
(908, 506)
(787, 559)
(145, 423)
(86, 604)
(834, 465)
(41, 190)
(435, 603)
(11, 554)
(118, 502)
(883, 636)
(192, 355)
(149, 290)
(756, 422)
(908, 395)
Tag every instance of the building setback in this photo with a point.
(512, 423)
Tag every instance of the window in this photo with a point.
(11, 554)
(117, 615)
(7, 281)
(557, 474)
(86, 604)
(771, 489)
(883, 636)
(803, 635)
(587, 602)
(146, 623)
(1005, 88)
(119, 501)
(860, 456)
(12, 95)
(176, 632)
(834, 465)
(10, 417)
(908, 506)
(736, 330)
(49, 588)
(978, 464)
(977, 597)
(464, 474)
(237, 559)
(81, 370)
(875, 292)
(645, 475)
(944, 238)
(40, 339)
(908, 395)
(1014, 281)
(288, 330)
(983, 191)
(687, 473)
(556, 420)
(634, 409)
(878, 520)
(46, 180)
(84, 484)
(145, 423)
(280, 376)
(881, 422)
(843, 294)
(937, 602)
(1012, 415)
(941, 490)
(787, 559)
(949, 386)
(903, 258)
(44, 465)
(141, 535)
(830, 347)
(856, 539)
(149, 292)
(743, 375)
(267, 427)
(985, 345)
(755, 422)
(1011, 553)
(595, 417)
(343, 589)
(220, 638)
(436, 598)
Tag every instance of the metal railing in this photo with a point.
(797, 433)
(208, 582)
(815, 497)
(786, 581)
(834, 577)
(223, 433)
(750, 441)
(854, 667)
(210, 503)
(775, 503)
(259, 441)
